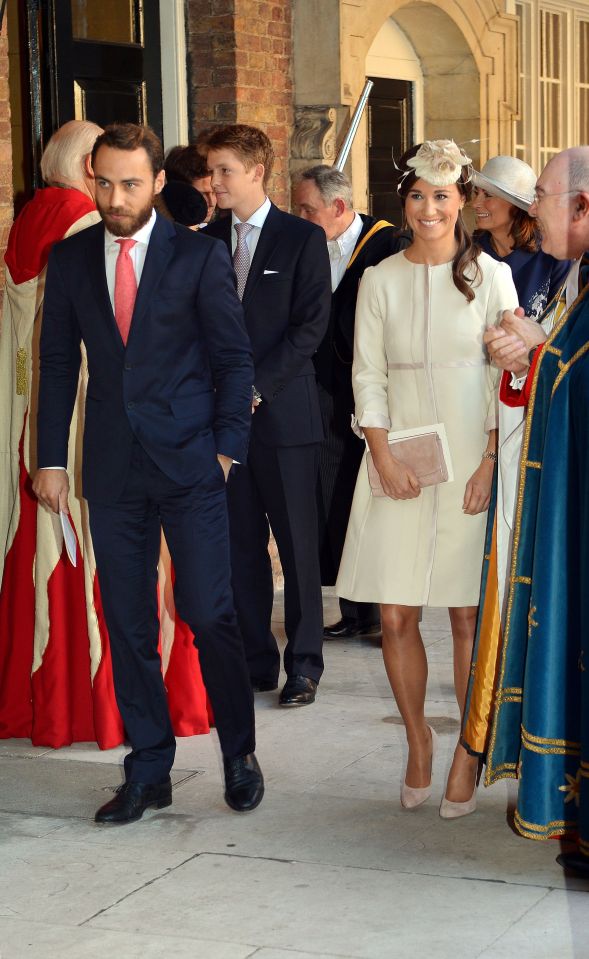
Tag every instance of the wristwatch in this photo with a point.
(490, 455)
(256, 395)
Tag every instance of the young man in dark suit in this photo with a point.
(282, 271)
(168, 409)
(323, 195)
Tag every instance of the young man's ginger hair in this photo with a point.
(250, 144)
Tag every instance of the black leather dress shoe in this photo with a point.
(575, 862)
(298, 691)
(132, 800)
(244, 783)
(350, 629)
(264, 685)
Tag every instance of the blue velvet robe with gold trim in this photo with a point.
(540, 727)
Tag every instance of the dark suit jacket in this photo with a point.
(286, 315)
(182, 386)
(333, 360)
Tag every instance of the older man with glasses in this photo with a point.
(540, 726)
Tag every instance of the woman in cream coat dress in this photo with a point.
(419, 359)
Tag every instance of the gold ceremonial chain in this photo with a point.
(21, 372)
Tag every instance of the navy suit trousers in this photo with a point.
(126, 536)
(277, 489)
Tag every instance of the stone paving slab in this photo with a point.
(359, 913)
(42, 786)
(34, 940)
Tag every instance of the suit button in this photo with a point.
(130, 405)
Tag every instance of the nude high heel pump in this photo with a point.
(454, 810)
(411, 796)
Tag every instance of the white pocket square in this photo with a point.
(267, 272)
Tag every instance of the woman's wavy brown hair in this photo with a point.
(524, 231)
(466, 271)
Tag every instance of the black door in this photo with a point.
(390, 128)
(93, 60)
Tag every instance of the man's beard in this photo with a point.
(131, 222)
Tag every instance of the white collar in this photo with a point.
(346, 241)
(258, 218)
(142, 235)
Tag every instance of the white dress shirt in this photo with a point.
(137, 254)
(256, 220)
(341, 249)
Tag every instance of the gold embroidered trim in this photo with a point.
(549, 747)
(549, 750)
(525, 580)
(558, 827)
(22, 387)
(554, 350)
(533, 465)
(504, 771)
(565, 367)
(542, 740)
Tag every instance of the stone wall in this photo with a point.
(239, 71)
(5, 154)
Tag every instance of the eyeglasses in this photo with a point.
(540, 196)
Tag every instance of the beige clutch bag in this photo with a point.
(424, 454)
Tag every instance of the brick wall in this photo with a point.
(5, 154)
(239, 71)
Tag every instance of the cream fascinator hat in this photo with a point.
(508, 178)
(438, 162)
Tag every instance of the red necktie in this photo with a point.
(125, 288)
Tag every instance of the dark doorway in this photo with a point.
(90, 59)
(390, 130)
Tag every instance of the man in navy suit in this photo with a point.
(168, 409)
(283, 278)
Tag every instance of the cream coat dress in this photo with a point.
(419, 359)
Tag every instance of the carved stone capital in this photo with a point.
(314, 132)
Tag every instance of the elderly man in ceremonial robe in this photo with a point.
(539, 729)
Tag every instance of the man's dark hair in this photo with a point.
(185, 164)
(131, 136)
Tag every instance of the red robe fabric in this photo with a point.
(512, 397)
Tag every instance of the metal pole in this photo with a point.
(340, 160)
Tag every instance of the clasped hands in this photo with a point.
(510, 343)
(400, 482)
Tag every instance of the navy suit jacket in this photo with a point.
(286, 304)
(181, 387)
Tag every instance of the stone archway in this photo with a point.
(468, 47)
(468, 52)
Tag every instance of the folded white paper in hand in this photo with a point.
(69, 536)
